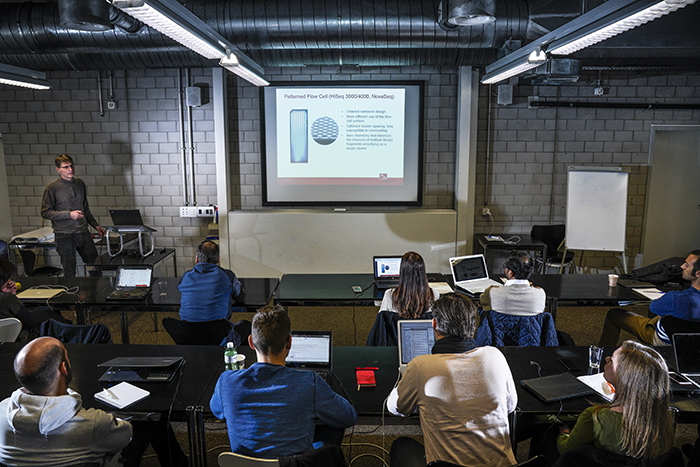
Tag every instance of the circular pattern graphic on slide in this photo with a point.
(324, 130)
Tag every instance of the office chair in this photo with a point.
(197, 332)
(553, 236)
(29, 259)
(9, 329)
(4, 251)
(231, 459)
(590, 456)
(76, 333)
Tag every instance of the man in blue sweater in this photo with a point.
(208, 291)
(271, 408)
(681, 304)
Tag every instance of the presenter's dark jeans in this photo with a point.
(68, 244)
(407, 452)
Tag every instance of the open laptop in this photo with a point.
(312, 350)
(470, 273)
(386, 271)
(686, 348)
(133, 283)
(141, 369)
(416, 337)
(128, 218)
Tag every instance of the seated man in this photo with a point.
(208, 291)
(270, 410)
(463, 394)
(683, 304)
(44, 419)
(518, 297)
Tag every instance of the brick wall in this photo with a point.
(523, 180)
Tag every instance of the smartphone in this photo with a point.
(356, 289)
(568, 364)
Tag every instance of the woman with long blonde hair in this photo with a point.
(637, 423)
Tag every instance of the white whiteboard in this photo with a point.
(596, 209)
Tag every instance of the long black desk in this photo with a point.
(317, 289)
(93, 291)
(183, 398)
(105, 262)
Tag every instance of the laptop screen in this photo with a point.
(126, 216)
(387, 267)
(134, 277)
(416, 337)
(310, 349)
(466, 268)
(687, 350)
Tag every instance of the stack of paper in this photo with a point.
(122, 395)
(650, 293)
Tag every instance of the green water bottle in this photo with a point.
(231, 357)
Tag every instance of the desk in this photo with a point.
(334, 289)
(184, 396)
(582, 288)
(107, 263)
(526, 243)
(93, 291)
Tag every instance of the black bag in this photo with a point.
(668, 270)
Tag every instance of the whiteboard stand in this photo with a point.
(596, 209)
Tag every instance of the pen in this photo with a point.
(367, 368)
(612, 388)
(111, 394)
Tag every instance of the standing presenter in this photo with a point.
(65, 204)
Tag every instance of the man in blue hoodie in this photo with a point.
(208, 290)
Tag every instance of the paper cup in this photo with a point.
(612, 280)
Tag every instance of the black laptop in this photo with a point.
(141, 369)
(128, 219)
(312, 350)
(387, 270)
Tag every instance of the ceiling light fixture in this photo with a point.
(609, 19)
(23, 77)
(231, 63)
(177, 22)
(604, 25)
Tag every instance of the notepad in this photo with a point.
(122, 395)
(599, 384)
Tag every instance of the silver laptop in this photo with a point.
(416, 337)
(686, 348)
(312, 350)
(387, 270)
(39, 293)
(469, 273)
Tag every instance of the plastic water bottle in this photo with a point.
(231, 357)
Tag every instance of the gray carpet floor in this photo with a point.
(364, 446)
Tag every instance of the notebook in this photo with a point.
(128, 218)
(686, 348)
(122, 395)
(386, 271)
(141, 369)
(38, 294)
(416, 337)
(312, 350)
(133, 283)
(557, 387)
(470, 273)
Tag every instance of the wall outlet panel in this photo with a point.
(188, 211)
(205, 211)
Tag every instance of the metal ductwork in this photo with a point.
(278, 33)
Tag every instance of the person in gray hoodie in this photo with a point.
(43, 423)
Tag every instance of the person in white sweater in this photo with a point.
(413, 297)
(517, 297)
(463, 394)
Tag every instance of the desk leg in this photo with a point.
(195, 433)
(125, 327)
(80, 313)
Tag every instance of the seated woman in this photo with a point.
(11, 306)
(413, 298)
(637, 423)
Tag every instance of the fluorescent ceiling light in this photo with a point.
(177, 22)
(231, 63)
(611, 18)
(605, 27)
(16, 76)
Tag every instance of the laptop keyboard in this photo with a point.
(129, 294)
(480, 286)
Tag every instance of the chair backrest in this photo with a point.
(551, 235)
(384, 331)
(590, 456)
(230, 459)
(28, 262)
(499, 329)
(197, 332)
(4, 251)
(673, 325)
(76, 333)
(9, 329)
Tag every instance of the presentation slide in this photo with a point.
(342, 143)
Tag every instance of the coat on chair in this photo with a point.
(498, 329)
